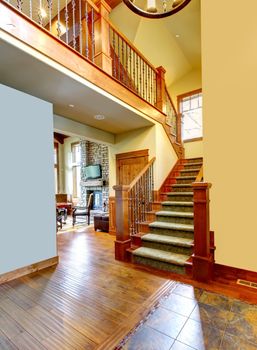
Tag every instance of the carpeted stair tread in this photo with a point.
(182, 185)
(172, 226)
(185, 177)
(194, 163)
(179, 193)
(182, 204)
(161, 255)
(178, 241)
(189, 170)
(174, 213)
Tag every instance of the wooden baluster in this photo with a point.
(86, 30)
(160, 104)
(40, 18)
(19, 5)
(102, 56)
(123, 240)
(127, 73)
(122, 60)
(119, 57)
(202, 258)
(134, 70)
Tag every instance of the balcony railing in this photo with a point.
(85, 27)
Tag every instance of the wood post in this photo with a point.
(123, 240)
(179, 127)
(102, 38)
(202, 258)
(160, 86)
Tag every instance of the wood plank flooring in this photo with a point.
(87, 302)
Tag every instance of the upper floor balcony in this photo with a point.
(80, 36)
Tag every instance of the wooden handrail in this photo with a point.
(199, 176)
(171, 102)
(131, 45)
(92, 4)
(132, 184)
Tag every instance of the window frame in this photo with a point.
(74, 169)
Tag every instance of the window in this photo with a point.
(76, 159)
(190, 106)
(56, 167)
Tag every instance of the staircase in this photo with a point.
(169, 243)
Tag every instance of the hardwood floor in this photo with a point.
(88, 302)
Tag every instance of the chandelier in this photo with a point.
(156, 8)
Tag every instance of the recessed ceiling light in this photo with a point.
(99, 116)
(177, 35)
(71, 106)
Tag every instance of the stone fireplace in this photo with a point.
(95, 153)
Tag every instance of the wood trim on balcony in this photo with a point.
(40, 39)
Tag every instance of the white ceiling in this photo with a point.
(24, 72)
(156, 38)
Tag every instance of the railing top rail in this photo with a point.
(132, 46)
(199, 176)
(132, 184)
(93, 5)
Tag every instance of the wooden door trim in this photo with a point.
(133, 154)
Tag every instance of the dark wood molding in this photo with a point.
(202, 257)
(133, 154)
(60, 137)
(193, 140)
(26, 270)
(187, 94)
(112, 216)
(232, 274)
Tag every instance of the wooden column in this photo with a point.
(102, 38)
(179, 127)
(160, 86)
(202, 258)
(123, 240)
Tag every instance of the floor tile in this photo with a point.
(249, 311)
(200, 336)
(148, 339)
(231, 342)
(181, 305)
(216, 300)
(242, 328)
(180, 346)
(212, 315)
(188, 291)
(167, 322)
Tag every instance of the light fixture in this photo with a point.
(71, 106)
(99, 117)
(156, 8)
(42, 12)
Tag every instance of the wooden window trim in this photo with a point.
(193, 140)
(187, 94)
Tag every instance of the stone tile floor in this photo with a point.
(193, 319)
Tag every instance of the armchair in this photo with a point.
(83, 211)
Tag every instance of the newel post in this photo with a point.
(202, 258)
(179, 127)
(160, 88)
(123, 240)
(102, 38)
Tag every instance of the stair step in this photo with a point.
(193, 163)
(186, 204)
(182, 185)
(160, 255)
(172, 226)
(189, 170)
(177, 241)
(175, 214)
(185, 177)
(179, 196)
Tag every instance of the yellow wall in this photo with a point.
(229, 58)
(189, 82)
(193, 149)
(153, 138)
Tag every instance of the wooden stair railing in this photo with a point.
(85, 27)
(131, 204)
(203, 260)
